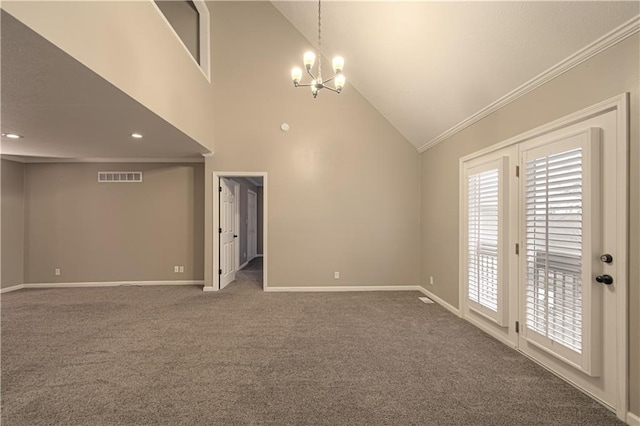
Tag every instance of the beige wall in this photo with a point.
(129, 44)
(113, 231)
(343, 184)
(606, 75)
(12, 223)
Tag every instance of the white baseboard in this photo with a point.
(421, 289)
(439, 301)
(632, 419)
(103, 284)
(12, 288)
(205, 288)
(344, 288)
(243, 265)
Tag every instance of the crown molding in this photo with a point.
(610, 39)
(35, 160)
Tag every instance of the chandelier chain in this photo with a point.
(319, 43)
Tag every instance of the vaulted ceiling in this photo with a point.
(427, 66)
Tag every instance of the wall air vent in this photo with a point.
(119, 177)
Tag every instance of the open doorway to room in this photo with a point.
(239, 216)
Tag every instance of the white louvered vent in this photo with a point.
(119, 177)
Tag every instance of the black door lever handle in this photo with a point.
(605, 279)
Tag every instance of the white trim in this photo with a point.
(239, 236)
(620, 104)
(255, 194)
(610, 39)
(622, 241)
(204, 36)
(36, 160)
(440, 301)
(243, 265)
(215, 201)
(12, 288)
(329, 289)
(632, 419)
(614, 103)
(102, 284)
(568, 380)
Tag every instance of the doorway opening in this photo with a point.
(240, 227)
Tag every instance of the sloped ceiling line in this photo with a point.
(610, 39)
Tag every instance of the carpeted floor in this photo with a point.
(177, 355)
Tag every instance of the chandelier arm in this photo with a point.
(331, 88)
(326, 81)
(303, 85)
(313, 77)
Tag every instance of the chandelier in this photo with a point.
(317, 83)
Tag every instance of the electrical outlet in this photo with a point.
(57, 271)
(336, 275)
(176, 269)
(182, 269)
(431, 280)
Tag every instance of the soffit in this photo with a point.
(64, 110)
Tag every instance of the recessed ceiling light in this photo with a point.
(136, 135)
(11, 136)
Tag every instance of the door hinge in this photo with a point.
(219, 271)
(517, 326)
(517, 248)
(219, 189)
(517, 171)
(219, 230)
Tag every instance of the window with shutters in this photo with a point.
(557, 266)
(484, 239)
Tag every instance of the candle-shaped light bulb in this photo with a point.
(309, 58)
(296, 75)
(340, 80)
(338, 63)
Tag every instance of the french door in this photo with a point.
(568, 221)
(542, 256)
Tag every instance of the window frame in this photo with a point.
(501, 163)
(204, 36)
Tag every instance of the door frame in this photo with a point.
(255, 194)
(620, 104)
(216, 175)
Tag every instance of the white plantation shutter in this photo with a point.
(554, 247)
(557, 265)
(484, 196)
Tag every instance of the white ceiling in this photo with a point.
(64, 110)
(427, 66)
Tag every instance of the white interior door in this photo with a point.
(252, 225)
(568, 221)
(228, 232)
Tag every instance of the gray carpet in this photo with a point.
(176, 355)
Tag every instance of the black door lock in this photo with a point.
(606, 258)
(605, 279)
